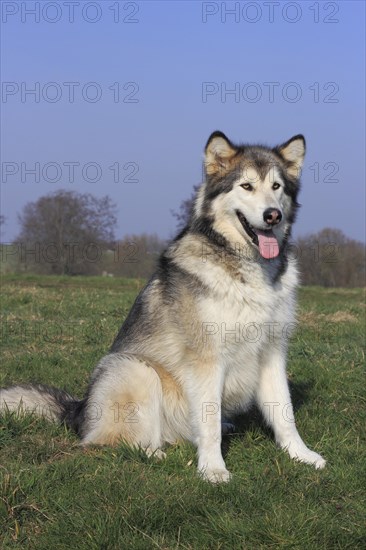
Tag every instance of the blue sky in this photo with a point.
(292, 67)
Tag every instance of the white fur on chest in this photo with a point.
(239, 311)
(241, 321)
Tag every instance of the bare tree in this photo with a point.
(66, 232)
(136, 255)
(2, 221)
(330, 258)
(184, 213)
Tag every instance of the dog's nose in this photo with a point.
(272, 216)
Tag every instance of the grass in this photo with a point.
(55, 495)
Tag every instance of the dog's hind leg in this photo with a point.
(124, 403)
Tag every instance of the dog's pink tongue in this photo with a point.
(268, 245)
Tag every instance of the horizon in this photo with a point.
(295, 236)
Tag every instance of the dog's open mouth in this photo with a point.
(265, 240)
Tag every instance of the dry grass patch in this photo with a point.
(312, 318)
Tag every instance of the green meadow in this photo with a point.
(55, 495)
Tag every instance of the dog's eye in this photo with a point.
(247, 186)
(276, 186)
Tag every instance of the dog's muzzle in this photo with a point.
(266, 240)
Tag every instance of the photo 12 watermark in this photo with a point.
(251, 332)
(69, 252)
(211, 409)
(41, 330)
(70, 171)
(324, 171)
(270, 12)
(70, 11)
(314, 251)
(269, 92)
(69, 92)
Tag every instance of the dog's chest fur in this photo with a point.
(243, 321)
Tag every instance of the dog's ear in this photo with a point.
(293, 152)
(218, 152)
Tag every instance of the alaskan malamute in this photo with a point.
(207, 336)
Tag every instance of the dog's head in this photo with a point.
(251, 191)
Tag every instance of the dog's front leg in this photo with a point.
(204, 396)
(273, 398)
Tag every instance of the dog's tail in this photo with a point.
(45, 401)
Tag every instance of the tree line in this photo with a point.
(68, 233)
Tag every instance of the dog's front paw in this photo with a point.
(215, 475)
(303, 454)
(314, 459)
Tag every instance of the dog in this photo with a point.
(208, 334)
